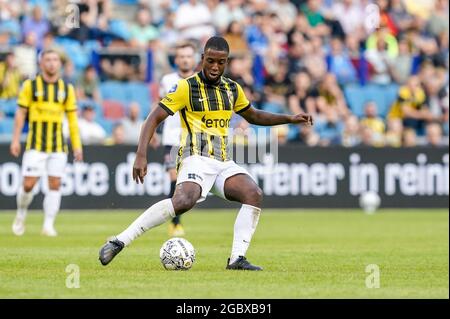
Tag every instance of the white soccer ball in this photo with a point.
(177, 254)
(369, 201)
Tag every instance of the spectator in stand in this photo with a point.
(350, 14)
(9, 23)
(26, 53)
(276, 87)
(384, 35)
(379, 61)
(37, 24)
(48, 41)
(239, 70)
(117, 137)
(393, 136)
(366, 136)
(436, 100)
(329, 129)
(193, 20)
(410, 106)
(302, 97)
(168, 34)
(351, 132)
(227, 12)
(236, 40)
(401, 66)
(331, 99)
(339, 63)
(69, 72)
(402, 19)
(434, 135)
(386, 20)
(438, 23)
(132, 124)
(90, 131)
(306, 136)
(409, 138)
(10, 78)
(356, 56)
(374, 122)
(88, 85)
(316, 21)
(257, 34)
(286, 11)
(142, 32)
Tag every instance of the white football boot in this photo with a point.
(18, 226)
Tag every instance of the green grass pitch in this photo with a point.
(305, 254)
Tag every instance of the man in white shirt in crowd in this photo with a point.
(132, 124)
(90, 131)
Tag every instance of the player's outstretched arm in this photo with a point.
(19, 121)
(152, 121)
(258, 117)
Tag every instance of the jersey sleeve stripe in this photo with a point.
(244, 109)
(166, 108)
(23, 106)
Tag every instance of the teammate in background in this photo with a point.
(171, 135)
(46, 99)
(206, 102)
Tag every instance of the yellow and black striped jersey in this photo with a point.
(47, 103)
(9, 82)
(205, 110)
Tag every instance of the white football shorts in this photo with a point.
(36, 164)
(209, 173)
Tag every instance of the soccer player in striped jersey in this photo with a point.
(46, 99)
(206, 102)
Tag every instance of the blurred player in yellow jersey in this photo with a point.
(47, 99)
(171, 135)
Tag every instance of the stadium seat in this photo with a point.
(140, 93)
(6, 125)
(8, 107)
(113, 110)
(115, 91)
(76, 52)
(119, 28)
(358, 96)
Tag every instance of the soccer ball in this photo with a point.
(177, 254)
(369, 201)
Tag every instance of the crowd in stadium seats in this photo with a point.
(373, 73)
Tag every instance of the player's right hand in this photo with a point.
(139, 169)
(15, 148)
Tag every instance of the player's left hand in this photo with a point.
(78, 155)
(302, 118)
(139, 169)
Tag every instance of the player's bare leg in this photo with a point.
(185, 196)
(243, 189)
(24, 198)
(52, 203)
